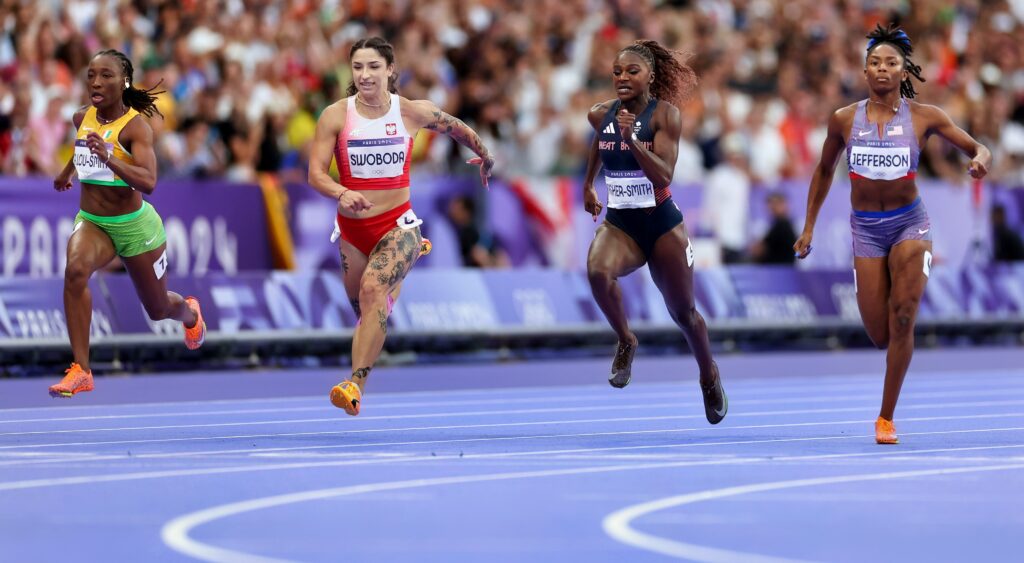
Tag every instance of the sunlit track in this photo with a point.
(586, 452)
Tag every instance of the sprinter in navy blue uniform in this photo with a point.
(637, 143)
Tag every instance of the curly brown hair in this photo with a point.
(674, 80)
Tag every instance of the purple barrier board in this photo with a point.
(211, 227)
(533, 298)
(435, 300)
(31, 309)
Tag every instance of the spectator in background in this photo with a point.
(777, 245)
(478, 249)
(727, 199)
(1007, 245)
(45, 134)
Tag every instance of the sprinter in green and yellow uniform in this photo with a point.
(116, 164)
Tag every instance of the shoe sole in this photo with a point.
(343, 401)
(69, 394)
(613, 381)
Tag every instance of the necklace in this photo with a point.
(105, 121)
(886, 106)
(380, 105)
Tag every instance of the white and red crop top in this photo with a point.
(373, 154)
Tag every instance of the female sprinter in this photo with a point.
(892, 239)
(116, 164)
(636, 143)
(370, 135)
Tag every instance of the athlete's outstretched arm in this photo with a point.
(426, 114)
(590, 200)
(940, 123)
(659, 161)
(328, 126)
(821, 180)
(141, 175)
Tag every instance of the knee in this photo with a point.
(881, 342)
(600, 278)
(371, 292)
(76, 276)
(688, 318)
(903, 314)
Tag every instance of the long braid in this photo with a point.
(896, 37)
(142, 101)
(674, 80)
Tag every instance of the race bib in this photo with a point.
(376, 158)
(89, 166)
(409, 220)
(628, 189)
(880, 163)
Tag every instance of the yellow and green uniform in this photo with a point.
(133, 233)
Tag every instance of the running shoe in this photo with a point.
(346, 395)
(622, 365)
(885, 432)
(716, 402)
(76, 380)
(195, 336)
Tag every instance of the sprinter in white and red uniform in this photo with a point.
(892, 235)
(370, 133)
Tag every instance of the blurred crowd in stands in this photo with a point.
(246, 79)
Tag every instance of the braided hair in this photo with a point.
(674, 80)
(383, 49)
(896, 37)
(142, 101)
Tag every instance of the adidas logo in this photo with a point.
(610, 129)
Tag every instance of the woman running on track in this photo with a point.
(116, 164)
(370, 135)
(636, 142)
(892, 236)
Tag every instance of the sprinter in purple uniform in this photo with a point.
(892, 236)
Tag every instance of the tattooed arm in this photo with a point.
(424, 114)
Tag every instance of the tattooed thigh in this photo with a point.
(394, 256)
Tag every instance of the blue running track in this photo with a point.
(534, 461)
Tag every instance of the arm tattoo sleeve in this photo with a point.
(457, 130)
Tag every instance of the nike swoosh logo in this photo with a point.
(150, 241)
(862, 133)
(920, 232)
(409, 221)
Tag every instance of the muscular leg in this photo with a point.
(388, 264)
(353, 264)
(89, 249)
(907, 269)
(873, 287)
(612, 254)
(159, 303)
(674, 278)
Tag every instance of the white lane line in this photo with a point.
(824, 384)
(618, 524)
(176, 532)
(490, 413)
(334, 419)
(47, 482)
(251, 451)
